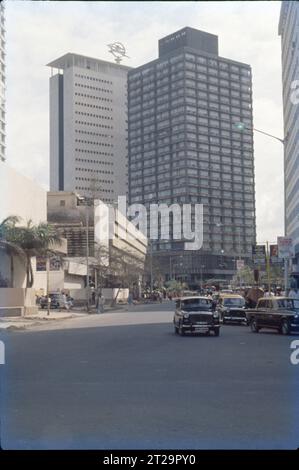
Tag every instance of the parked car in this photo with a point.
(55, 301)
(196, 315)
(232, 308)
(279, 313)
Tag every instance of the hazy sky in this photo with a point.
(38, 32)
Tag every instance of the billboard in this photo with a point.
(285, 247)
(274, 258)
(240, 264)
(259, 254)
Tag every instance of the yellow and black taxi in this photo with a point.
(232, 308)
(196, 315)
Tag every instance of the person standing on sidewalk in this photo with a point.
(100, 303)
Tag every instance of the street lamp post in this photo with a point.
(242, 127)
(87, 258)
(202, 266)
(151, 265)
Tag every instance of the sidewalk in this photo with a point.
(20, 323)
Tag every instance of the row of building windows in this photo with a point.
(91, 170)
(179, 96)
(148, 106)
(187, 189)
(89, 87)
(96, 152)
(94, 97)
(103, 108)
(93, 124)
(196, 108)
(98, 162)
(87, 77)
(225, 185)
(207, 192)
(87, 188)
(81, 178)
(93, 143)
(181, 60)
(95, 134)
(189, 87)
(178, 141)
(215, 127)
(98, 116)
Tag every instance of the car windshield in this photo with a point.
(196, 304)
(290, 304)
(234, 302)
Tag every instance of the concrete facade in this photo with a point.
(2, 83)
(88, 127)
(21, 196)
(289, 32)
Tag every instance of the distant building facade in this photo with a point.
(2, 83)
(289, 32)
(88, 127)
(72, 218)
(184, 147)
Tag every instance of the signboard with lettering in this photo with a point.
(259, 254)
(285, 247)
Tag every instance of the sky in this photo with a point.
(39, 32)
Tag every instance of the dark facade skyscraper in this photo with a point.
(184, 147)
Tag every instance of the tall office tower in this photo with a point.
(289, 32)
(88, 127)
(184, 147)
(2, 83)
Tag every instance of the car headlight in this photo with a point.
(186, 315)
(215, 315)
(296, 316)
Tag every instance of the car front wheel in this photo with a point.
(254, 327)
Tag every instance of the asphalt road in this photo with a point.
(124, 380)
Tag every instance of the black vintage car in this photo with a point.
(196, 315)
(278, 313)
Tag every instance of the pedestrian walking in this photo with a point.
(100, 303)
(65, 302)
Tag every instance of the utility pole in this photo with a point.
(87, 257)
(268, 268)
(239, 249)
(286, 275)
(151, 265)
(48, 283)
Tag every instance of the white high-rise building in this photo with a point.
(88, 127)
(289, 32)
(2, 83)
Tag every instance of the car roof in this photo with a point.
(235, 296)
(277, 298)
(194, 297)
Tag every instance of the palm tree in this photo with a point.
(12, 249)
(28, 241)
